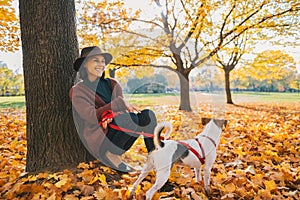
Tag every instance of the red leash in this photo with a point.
(130, 131)
(109, 114)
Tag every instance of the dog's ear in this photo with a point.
(225, 123)
(220, 122)
(205, 120)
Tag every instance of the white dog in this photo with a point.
(192, 152)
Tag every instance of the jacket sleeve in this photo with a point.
(115, 105)
(90, 106)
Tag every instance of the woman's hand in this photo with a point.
(131, 108)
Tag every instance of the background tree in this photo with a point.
(5, 78)
(49, 45)
(188, 33)
(10, 82)
(272, 69)
(228, 58)
(295, 83)
(9, 27)
(18, 84)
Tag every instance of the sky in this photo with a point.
(14, 60)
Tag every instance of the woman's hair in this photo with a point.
(82, 72)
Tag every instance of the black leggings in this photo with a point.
(118, 142)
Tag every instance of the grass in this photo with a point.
(152, 99)
(267, 96)
(18, 102)
(238, 97)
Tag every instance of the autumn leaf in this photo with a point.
(9, 27)
(257, 159)
(270, 185)
(83, 166)
(101, 178)
(100, 194)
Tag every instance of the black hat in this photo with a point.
(88, 52)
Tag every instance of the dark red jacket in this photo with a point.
(87, 110)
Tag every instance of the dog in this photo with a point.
(192, 152)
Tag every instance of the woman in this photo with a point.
(95, 96)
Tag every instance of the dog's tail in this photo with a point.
(157, 132)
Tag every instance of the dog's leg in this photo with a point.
(147, 168)
(207, 170)
(198, 174)
(162, 177)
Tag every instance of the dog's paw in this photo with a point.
(207, 191)
(131, 195)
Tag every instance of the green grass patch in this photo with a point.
(16, 102)
(266, 96)
(238, 97)
(153, 99)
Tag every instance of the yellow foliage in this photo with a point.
(9, 27)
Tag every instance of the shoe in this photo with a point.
(122, 168)
(125, 168)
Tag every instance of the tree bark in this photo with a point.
(49, 45)
(227, 87)
(184, 93)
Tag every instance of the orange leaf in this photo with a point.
(270, 185)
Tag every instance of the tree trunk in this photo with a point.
(184, 93)
(227, 87)
(49, 45)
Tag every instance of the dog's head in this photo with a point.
(219, 122)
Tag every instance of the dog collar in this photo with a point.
(210, 139)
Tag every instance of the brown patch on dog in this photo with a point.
(218, 122)
(205, 120)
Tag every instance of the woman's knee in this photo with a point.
(146, 117)
(127, 120)
(124, 122)
(148, 112)
(134, 118)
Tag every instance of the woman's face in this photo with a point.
(95, 66)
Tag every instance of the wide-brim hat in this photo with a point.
(88, 52)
